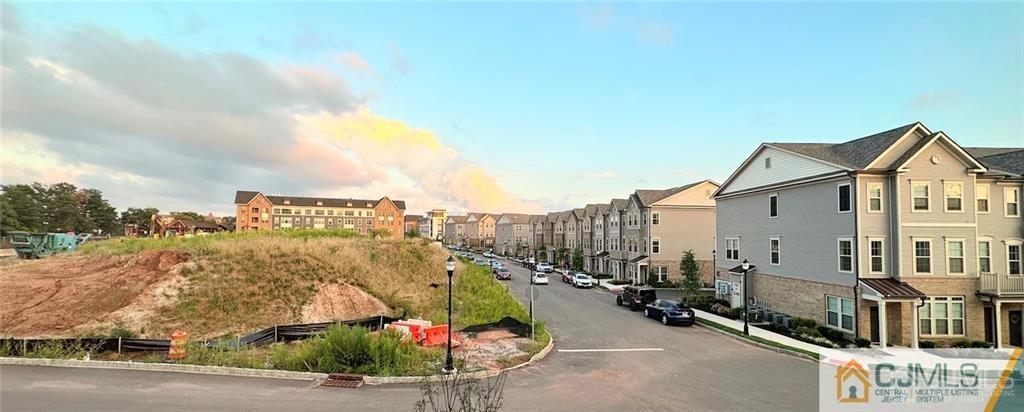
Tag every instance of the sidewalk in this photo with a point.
(762, 333)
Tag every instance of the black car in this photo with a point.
(636, 297)
(669, 312)
(503, 274)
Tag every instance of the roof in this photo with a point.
(1003, 159)
(244, 196)
(892, 288)
(647, 197)
(409, 218)
(602, 254)
(456, 219)
(204, 224)
(854, 154)
(638, 259)
(739, 269)
(618, 204)
(516, 218)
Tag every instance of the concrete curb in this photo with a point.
(800, 355)
(395, 380)
(165, 367)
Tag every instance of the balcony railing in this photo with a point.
(998, 284)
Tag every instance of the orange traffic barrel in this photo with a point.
(178, 341)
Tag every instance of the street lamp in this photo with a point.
(746, 305)
(449, 265)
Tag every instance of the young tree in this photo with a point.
(690, 269)
(518, 248)
(577, 259)
(562, 257)
(412, 233)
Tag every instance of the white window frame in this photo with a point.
(931, 255)
(963, 255)
(871, 256)
(775, 256)
(655, 245)
(1007, 198)
(928, 196)
(987, 198)
(776, 197)
(840, 313)
(945, 197)
(930, 302)
(736, 244)
(839, 199)
(655, 218)
(987, 256)
(881, 197)
(1020, 257)
(839, 255)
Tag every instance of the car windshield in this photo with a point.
(541, 275)
(581, 276)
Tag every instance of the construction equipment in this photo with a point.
(40, 245)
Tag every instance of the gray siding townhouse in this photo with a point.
(599, 233)
(896, 237)
(455, 230)
(587, 237)
(511, 234)
(616, 261)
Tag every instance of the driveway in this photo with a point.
(606, 358)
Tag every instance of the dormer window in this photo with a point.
(319, 203)
(287, 202)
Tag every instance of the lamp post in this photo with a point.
(449, 265)
(746, 303)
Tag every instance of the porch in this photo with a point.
(889, 301)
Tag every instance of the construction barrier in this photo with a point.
(177, 350)
(438, 336)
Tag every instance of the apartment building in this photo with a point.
(455, 230)
(480, 230)
(425, 227)
(258, 211)
(512, 234)
(436, 225)
(895, 237)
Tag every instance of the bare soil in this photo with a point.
(342, 301)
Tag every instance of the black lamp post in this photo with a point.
(746, 303)
(449, 265)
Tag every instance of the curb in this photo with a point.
(395, 380)
(164, 367)
(800, 355)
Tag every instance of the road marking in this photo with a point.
(614, 350)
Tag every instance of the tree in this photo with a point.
(577, 259)
(690, 269)
(60, 206)
(412, 233)
(518, 248)
(228, 221)
(140, 217)
(562, 256)
(95, 213)
(187, 215)
(21, 208)
(542, 254)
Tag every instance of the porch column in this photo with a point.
(999, 324)
(915, 326)
(883, 330)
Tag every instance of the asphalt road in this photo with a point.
(641, 365)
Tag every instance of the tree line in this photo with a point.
(64, 207)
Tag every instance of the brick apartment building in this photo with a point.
(257, 211)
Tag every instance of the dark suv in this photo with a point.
(636, 297)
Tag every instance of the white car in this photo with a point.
(539, 278)
(582, 280)
(544, 267)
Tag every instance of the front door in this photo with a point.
(1015, 328)
(989, 319)
(873, 316)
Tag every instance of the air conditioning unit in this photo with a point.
(782, 320)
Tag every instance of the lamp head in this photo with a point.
(449, 265)
(746, 265)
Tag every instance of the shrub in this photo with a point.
(831, 334)
(808, 332)
(862, 343)
(735, 313)
(981, 344)
(797, 323)
(927, 344)
(355, 350)
(619, 282)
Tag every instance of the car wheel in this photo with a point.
(664, 320)
(618, 301)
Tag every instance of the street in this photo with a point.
(606, 358)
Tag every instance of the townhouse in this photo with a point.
(480, 230)
(615, 259)
(895, 237)
(257, 211)
(455, 230)
(537, 224)
(412, 223)
(511, 234)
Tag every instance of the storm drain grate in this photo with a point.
(343, 380)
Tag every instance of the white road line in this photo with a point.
(613, 350)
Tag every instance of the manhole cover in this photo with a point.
(343, 380)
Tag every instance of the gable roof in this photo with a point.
(244, 196)
(854, 154)
(456, 219)
(515, 218)
(1003, 159)
(913, 151)
(618, 204)
(411, 218)
(648, 197)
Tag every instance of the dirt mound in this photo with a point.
(53, 296)
(341, 301)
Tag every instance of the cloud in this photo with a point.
(399, 60)
(156, 126)
(357, 63)
(928, 100)
(603, 17)
(600, 175)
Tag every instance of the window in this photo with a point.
(874, 197)
(255, 210)
(732, 248)
(983, 195)
(955, 256)
(773, 205)
(876, 255)
(923, 256)
(661, 272)
(319, 212)
(655, 219)
(844, 197)
(1013, 262)
(985, 256)
(942, 316)
(919, 193)
(845, 253)
(655, 245)
(954, 196)
(1011, 197)
(277, 211)
(774, 251)
(255, 219)
(767, 163)
(839, 313)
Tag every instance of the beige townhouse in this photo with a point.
(663, 224)
(512, 234)
(455, 230)
(480, 230)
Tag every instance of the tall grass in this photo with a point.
(355, 350)
(201, 244)
(478, 298)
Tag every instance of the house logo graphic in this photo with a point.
(852, 383)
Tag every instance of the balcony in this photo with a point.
(997, 284)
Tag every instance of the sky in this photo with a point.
(483, 107)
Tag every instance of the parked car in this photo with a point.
(582, 280)
(567, 276)
(669, 312)
(488, 255)
(636, 297)
(480, 261)
(502, 274)
(545, 267)
(495, 264)
(539, 278)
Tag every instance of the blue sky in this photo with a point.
(567, 104)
